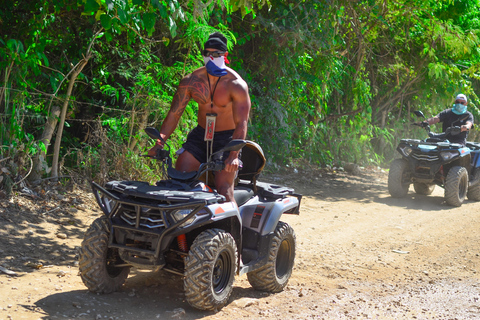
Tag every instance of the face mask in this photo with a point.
(459, 108)
(215, 66)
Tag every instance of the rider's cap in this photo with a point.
(216, 41)
(461, 97)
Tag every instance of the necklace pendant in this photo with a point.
(210, 126)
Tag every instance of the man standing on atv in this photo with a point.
(223, 105)
(449, 116)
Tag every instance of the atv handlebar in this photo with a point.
(210, 165)
(452, 131)
(423, 124)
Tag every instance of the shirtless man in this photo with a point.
(217, 89)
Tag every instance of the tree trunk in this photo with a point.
(142, 124)
(3, 89)
(58, 139)
(46, 138)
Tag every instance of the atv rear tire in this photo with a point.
(397, 186)
(210, 269)
(456, 185)
(274, 275)
(473, 192)
(423, 188)
(96, 262)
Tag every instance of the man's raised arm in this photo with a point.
(241, 109)
(179, 102)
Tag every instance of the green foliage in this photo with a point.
(330, 81)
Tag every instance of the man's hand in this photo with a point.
(423, 124)
(467, 126)
(232, 163)
(153, 151)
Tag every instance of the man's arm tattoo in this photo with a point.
(192, 87)
(199, 89)
(180, 100)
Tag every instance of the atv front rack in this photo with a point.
(143, 212)
(440, 144)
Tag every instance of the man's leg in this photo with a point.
(186, 162)
(224, 182)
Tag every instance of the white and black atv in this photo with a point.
(182, 226)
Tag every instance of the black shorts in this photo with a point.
(197, 146)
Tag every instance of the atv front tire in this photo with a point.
(473, 192)
(97, 262)
(274, 275)
(210, 269)
(456, 185)
(423, 188)
(397, 186)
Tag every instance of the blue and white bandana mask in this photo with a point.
(459, 108)
(215, 66)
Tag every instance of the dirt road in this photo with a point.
(360, 255)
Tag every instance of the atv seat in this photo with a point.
(253, 163)
(242, 194)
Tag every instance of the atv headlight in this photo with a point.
(181, 214)
(406, 151)
(447, 155)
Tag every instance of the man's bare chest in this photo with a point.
(204, 93)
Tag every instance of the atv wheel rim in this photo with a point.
(284, 258)
(221, 272)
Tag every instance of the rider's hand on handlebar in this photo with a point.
(232, 163)
(464, 128)
(153, 151)
(422, 124)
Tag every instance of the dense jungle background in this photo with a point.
(331, 82)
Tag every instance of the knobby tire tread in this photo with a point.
(396, 187)
(93, 260)
(456, 186)
(473, 193)
(199, 266)
(266, 278)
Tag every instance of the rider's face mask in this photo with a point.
(460, 107)
(215, 65)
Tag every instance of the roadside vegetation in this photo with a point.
(331, 82)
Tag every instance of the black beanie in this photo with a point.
(216, 41)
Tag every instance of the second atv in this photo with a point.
(436, 161)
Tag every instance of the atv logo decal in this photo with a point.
(257, 216)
